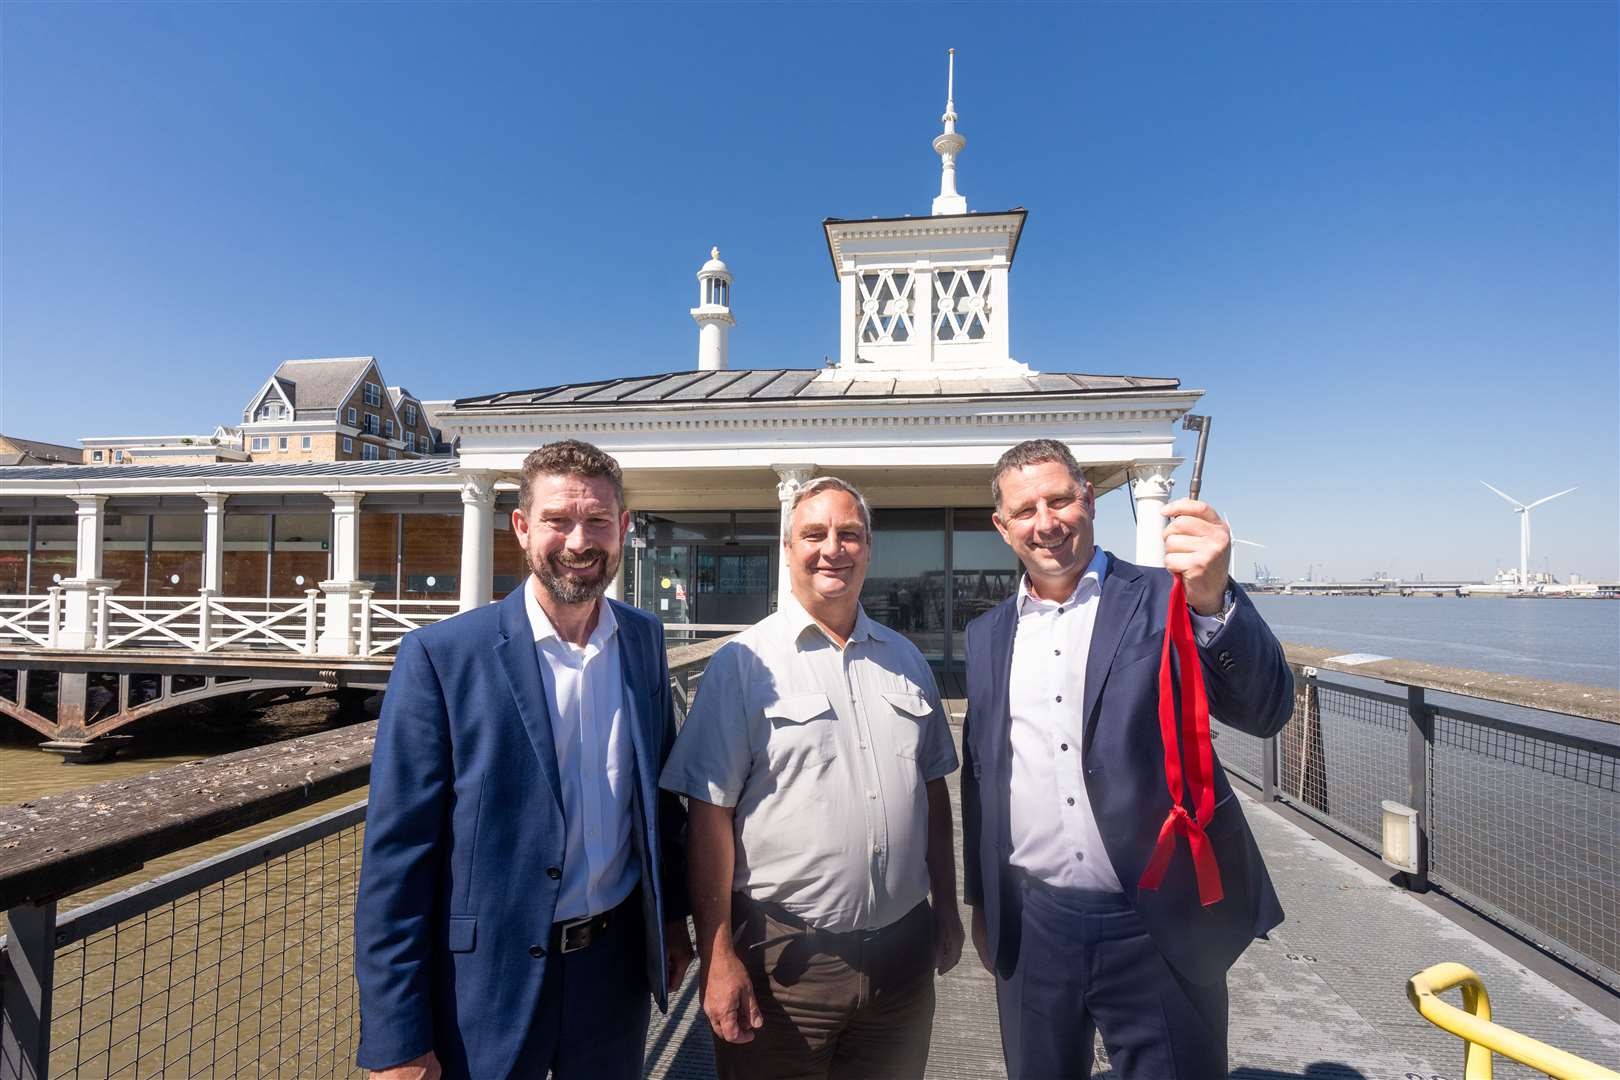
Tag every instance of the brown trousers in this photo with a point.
(855, 1006)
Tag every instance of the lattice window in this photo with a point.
(887, 307)
(962, 298)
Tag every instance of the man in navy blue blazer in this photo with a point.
(1064, 788)
(522, 896)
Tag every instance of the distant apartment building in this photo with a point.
(307, 410)
(225, 444)
(334, 410)
(15, 451)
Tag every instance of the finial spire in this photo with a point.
(947, 145)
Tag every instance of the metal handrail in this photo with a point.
(1472, 1023)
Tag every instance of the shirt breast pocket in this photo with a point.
(911, 711)
(801, 732)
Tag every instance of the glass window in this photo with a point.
(95, 455)
(348, 445)
(511, 565)
(177, 555)
(56, 551)
(410, 415)
(352, 416)
(308, 442)
(905, 586)
(281, 442)
(13, 554)
(118, 455)
(368, 452)
(984, 569)
(123, 552)
(246, 558)
(301, 556)
(432, 561)
(388, 428)
(379, 553)
(373, 394)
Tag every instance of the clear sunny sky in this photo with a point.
(1382, 237)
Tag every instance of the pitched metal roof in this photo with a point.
(44, 451)
(223, 470)
(798, 384)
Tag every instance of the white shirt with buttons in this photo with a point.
(1054, 834)
(584, 689)
(825, 752)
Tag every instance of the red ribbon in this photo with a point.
(1200, 768)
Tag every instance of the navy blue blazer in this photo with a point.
(1250, 688)
(465, 838)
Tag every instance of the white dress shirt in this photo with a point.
(826, 754)
(1054, 834)
(585, 696)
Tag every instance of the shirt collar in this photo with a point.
(800, 620)
(540, 623)
(1092, 579)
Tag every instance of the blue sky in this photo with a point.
(1382, 237)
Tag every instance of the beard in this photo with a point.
(566, 588)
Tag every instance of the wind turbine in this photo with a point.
(1233, 533)
(1523, 511)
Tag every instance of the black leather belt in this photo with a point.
(572, 935)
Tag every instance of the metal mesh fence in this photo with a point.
(1342, 755)
(251, 975)
(1237, 750)
(1525, 827)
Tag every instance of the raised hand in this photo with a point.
(1198, 546)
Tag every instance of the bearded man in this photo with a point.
(522, 895)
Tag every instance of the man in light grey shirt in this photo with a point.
(814, 759)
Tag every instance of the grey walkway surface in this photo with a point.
(1323, 999)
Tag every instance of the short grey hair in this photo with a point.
(1034, 452)
(811, 488)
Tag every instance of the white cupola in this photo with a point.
(713, 313)
(927, 297)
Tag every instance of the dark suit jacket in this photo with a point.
(465, 838)
(1250, 687)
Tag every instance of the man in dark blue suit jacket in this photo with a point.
(516, 775)
(1064, 789)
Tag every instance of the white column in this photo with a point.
(1150, 487)
(999, 323)
(79, 591)
(790, 478)
(848, 302)
(213, 541)
(337, 629)
(477, 538)
(90, 515)
(922, 315)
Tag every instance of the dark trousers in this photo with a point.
(855, 1006)
(1086, 964)
(591, 1023)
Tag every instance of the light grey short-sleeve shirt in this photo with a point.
(825, 754)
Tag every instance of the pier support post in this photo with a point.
(337, 629)
(477, 539)
(1151, 483)
(27, 976)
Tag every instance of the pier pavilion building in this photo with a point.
(341, 557)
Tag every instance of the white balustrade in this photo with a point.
(31, 619)
(382, 624)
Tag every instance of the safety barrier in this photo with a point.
(1481, 1036)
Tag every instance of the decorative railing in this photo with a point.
(31, 620)
(207, 623)
(380, 625)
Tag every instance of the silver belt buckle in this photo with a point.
(573, 939)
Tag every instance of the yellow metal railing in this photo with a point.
(1472, 1023)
